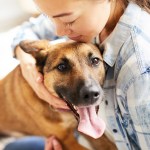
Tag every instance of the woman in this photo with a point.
(121, 29)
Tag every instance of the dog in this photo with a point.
(74, 72)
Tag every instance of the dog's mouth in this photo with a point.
(89, 123)
(73, 108)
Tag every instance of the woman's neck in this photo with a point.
(117, 9)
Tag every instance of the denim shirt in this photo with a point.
(127, 86)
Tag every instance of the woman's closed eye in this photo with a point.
(70, 23)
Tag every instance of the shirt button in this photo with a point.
(106, 102)
(115, 130)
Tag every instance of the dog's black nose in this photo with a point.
(89, 94)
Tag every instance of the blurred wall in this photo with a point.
(14, 12)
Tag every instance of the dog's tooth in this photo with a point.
(74, 107)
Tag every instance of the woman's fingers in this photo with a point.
(51, 99)
(56, 145)
(43, 93)
(39, 79)
(52, 144)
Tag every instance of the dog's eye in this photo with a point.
(95, 61)
(62, 67)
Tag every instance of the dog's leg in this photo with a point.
(102, 143)
(72, 144)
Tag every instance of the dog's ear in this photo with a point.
(38, 49)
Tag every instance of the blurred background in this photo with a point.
(12, 14)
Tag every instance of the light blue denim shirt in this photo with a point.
(127, 84)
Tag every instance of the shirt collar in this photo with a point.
(120, 34)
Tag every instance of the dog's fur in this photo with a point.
(66, 68)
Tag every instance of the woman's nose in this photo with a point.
(62, 30)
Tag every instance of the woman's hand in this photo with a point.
(35, 79)
(52, 144)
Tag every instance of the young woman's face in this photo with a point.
(80, 20)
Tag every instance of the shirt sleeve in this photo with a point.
(138, 100)
(36, 28)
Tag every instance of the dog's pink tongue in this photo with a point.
(90, 123)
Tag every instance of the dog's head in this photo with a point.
(73, 71)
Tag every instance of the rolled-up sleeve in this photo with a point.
(36, 28)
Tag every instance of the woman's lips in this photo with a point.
(76, 38)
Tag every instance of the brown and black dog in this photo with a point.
(73, 71)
